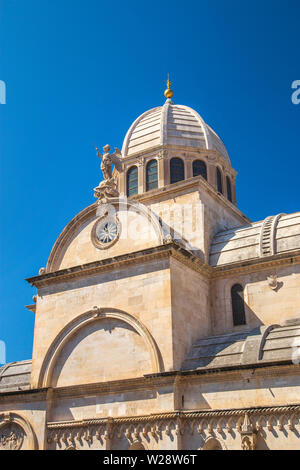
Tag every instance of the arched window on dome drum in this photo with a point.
(176, 170)
(132, 181)
(219, 181)
(229, 192)
(151, 175)
(199, 169)
(238, 305)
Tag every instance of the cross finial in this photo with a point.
(169, 93)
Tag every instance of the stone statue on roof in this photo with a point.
(108, 160)
(108, 188)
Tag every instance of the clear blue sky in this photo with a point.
(80, 71)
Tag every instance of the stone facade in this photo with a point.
(135, 343)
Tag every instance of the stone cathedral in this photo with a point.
(164, 318)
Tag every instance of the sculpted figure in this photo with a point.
(108, 188)
(108, 160)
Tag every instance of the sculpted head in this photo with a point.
(106, 148)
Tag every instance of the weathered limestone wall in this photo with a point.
(196, 215)
(210, 413)
(142, 291)
(183, 215)
(217, 217)
(107, 349)
(114, 404)
(213, 409)
(263, 305)
(190, 309)
(243, 389)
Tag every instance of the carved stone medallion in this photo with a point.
(11, 437)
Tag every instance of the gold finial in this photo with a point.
(169, 93)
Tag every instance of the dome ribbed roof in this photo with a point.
(174, 125)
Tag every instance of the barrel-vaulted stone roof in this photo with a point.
(15, 376)
(274, 235)
(265, 344)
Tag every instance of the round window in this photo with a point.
(105, 232)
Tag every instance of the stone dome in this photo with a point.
(172, 125)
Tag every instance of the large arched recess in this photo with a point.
(94, 211)
(141, 349)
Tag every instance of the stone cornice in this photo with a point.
(151, 381)
(112, 387)
(149, 254)
(29, 395)
(196, 183)
(174, 149)
(161, 251)
(230, 373)
(31, 308)
(172, 249)
(265, 263)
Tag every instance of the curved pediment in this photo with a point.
(104, 231)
